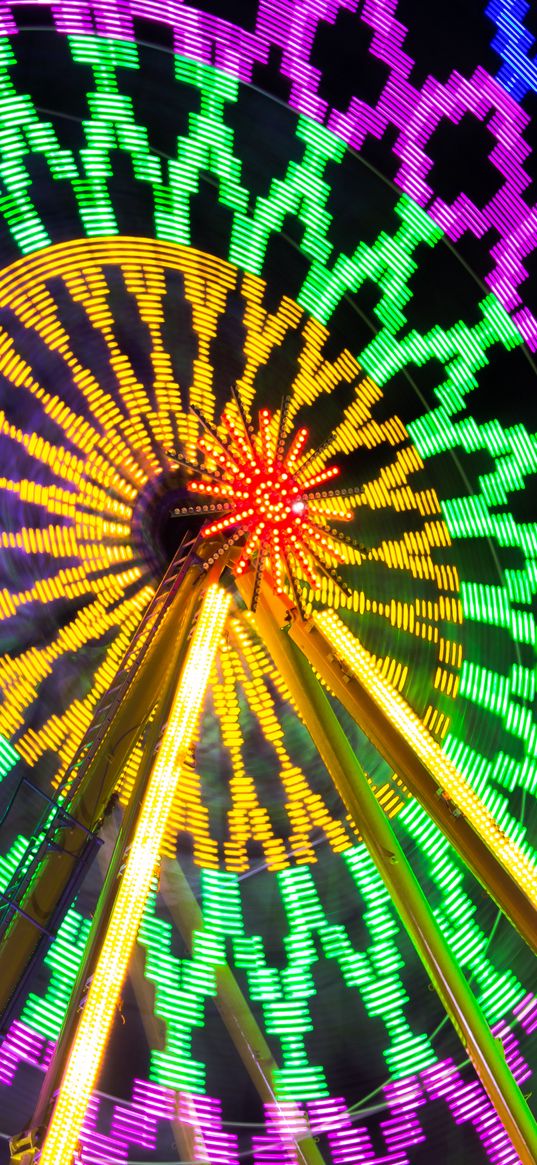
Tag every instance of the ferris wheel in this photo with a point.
(267, 621)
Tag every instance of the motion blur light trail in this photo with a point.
(169, 232)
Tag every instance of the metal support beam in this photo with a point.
(351, 782)
(188, 1137)
(241, 1024)
(21, 941)
(498, 879)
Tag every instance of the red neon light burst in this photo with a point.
(266, 489)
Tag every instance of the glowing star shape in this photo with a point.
(268, 491)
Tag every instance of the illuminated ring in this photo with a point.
(460, 349)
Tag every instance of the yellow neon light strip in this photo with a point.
(445, 773)
(111, 444)
(96, 1020)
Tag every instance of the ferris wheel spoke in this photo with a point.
(406, 894)
(501, 863)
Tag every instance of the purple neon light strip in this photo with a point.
(136, 1123)
(350, 1144)
(402, 1129)
(291, 28)
(204, 1114)
(131, 1124)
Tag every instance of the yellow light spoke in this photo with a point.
(77, 430)
(413, 553)
(72, 583)
(247, 819)
(264, 331)
(189, 814)
(90, 289)
(392, 487)
(353, 429)
(207, 285)
(39, 313)
(419, 619)
(316, 374)
(63, 502)
(82, 473)
(66, 542)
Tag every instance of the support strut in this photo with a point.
(410, 902)
(239, 1020)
